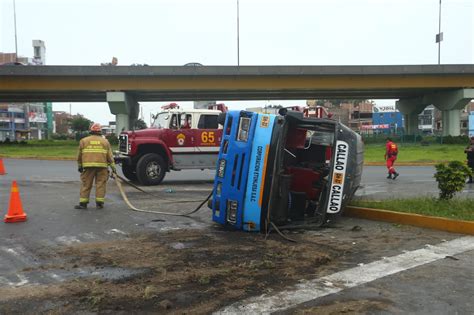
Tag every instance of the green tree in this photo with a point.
(80, 124)
(140, 124)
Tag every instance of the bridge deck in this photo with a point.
(164, 83)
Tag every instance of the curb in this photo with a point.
(436, 223)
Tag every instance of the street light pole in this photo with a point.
(14, 21)
(238, 35)
(439, 36)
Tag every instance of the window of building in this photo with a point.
(208, 122)
(37, 52)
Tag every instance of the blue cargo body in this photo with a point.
(284, 170)
(233, 169)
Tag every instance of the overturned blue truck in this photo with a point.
(284, 170)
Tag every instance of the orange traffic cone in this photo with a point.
(2, 168)
(15, 209)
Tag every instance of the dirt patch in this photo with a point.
(191, 272)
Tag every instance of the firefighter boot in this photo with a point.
(81, 205)
(389, 176)
(395, 175)
(99, 205)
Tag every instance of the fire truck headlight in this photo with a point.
(129, 148)
(221, 168)
(244, 127)
(232, 206)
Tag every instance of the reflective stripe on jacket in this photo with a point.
(95, 151)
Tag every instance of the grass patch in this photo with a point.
(26, 151)
(409, 153)
(416, 153)
(457, 208)
(61, 149)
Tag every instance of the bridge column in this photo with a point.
(411, 108)
(451, 103)
(451, 122)
(125, 109)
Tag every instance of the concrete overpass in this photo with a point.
(448, 87)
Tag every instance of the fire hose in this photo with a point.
(119, 180)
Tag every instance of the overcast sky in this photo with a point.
(272, 32)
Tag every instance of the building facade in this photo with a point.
(23, 121)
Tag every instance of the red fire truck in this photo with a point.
(178, 139)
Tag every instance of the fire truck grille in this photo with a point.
(123, 143)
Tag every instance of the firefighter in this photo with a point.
(470, 157)
(93, 159)
(391, 151)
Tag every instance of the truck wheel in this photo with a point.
(129, 172)
(151, 169)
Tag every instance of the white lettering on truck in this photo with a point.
(338, 175)
(256, 174)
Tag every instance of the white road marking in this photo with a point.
(54, 276)
(67, 240)
(22, 280)
(310, 290)
(19, 254)
(88, 236)
(115, 231)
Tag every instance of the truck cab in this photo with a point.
(177, 139)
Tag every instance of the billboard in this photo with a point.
(381, 126)
(37, 117)
(384, 109)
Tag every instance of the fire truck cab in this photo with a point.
(177, 139)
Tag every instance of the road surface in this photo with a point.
(49, 190)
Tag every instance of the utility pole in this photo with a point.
(439, 36)
(14, 21)
(238, 34)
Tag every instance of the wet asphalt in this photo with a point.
(49, 190)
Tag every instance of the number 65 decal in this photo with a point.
(207, 136)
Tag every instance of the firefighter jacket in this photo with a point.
(95, 151)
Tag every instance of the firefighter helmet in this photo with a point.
(96, 127)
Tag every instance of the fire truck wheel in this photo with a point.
(151, 169)
(129, 172)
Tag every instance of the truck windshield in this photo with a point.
(161, 120)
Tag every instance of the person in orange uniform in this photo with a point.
(391, 152)
(93, 159)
